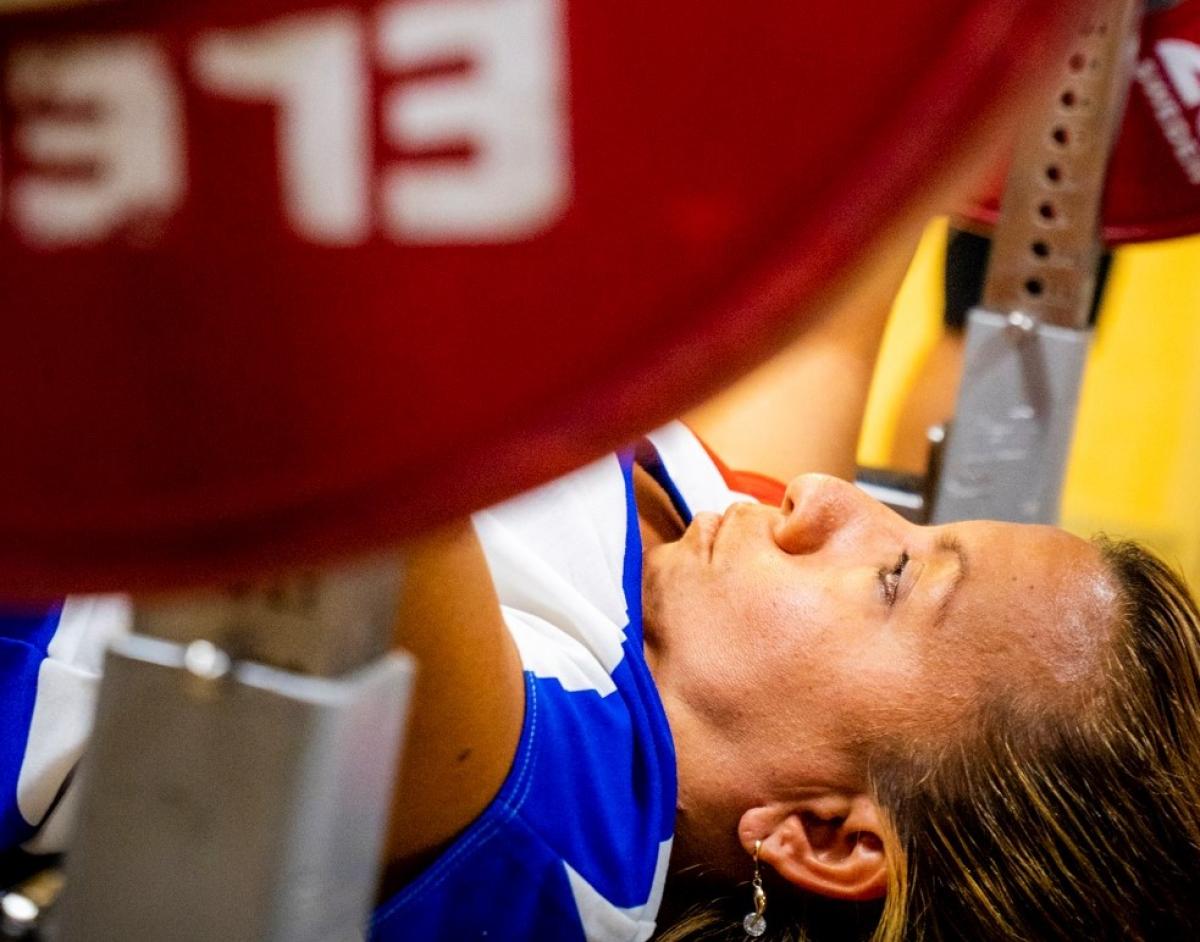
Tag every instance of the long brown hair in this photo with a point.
(1040, 825)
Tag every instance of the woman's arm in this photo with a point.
(469, 700)
(802, 410)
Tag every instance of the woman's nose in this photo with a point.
(816, 507)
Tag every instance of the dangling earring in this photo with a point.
(754, 923)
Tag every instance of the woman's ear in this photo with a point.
(831, 844)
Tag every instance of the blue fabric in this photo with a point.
(25, 635)
(592, 787)
(652, 463)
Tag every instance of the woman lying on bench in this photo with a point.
(646, 693)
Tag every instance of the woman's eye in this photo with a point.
(890, 578)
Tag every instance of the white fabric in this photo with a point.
(68, 682)
(557, 559)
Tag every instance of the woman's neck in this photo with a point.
(696, 835)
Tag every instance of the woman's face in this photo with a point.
(831, 620)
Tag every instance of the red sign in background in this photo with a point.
(1153, 187)
(300, 318)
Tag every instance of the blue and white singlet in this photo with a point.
(575, 846)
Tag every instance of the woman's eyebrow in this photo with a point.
(948, 543)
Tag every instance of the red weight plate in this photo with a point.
(287, 279)
(1153, 187)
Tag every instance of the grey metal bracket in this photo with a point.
(237, 786)
(1007, 453)
(245, 805)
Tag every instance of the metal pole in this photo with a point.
(1026, 347)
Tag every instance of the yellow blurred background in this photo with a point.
(1135, 462)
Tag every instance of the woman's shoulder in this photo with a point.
(576, 843)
